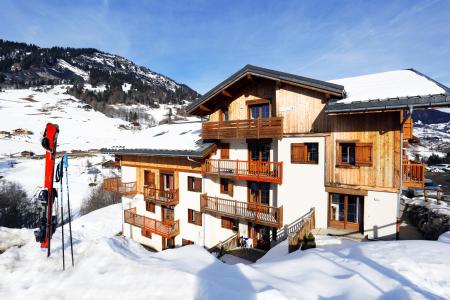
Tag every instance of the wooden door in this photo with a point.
(167, 215)
(345, 211)
(259, 196)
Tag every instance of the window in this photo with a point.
(259, 151)
(227, 223)
(226, 186)
(194, 217)
(260, 111)
(185, 242)
(354, 154)
(147, 233)
(259, 192)
(305, 153)
(149, 206)
(224, 151)
(194, 184)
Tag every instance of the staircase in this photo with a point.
(296, 226)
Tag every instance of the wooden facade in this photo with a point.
(303, 113)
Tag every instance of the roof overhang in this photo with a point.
(277, 76)
(199, 153)
(389, 104)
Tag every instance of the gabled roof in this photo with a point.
(329, 87)
(391, 90)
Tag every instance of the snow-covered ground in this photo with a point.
(80, 128)
(108, 266)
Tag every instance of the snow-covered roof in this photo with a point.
(385, 85)
(182, 139)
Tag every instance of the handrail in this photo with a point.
(296, 225)
(159, 196)
(222, 247)
(248, 128)
(295, 239)
(116, 185)
(152, 225)
(255, 212)
(266, 171)
(413, 174)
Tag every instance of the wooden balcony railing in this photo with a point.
(116, 185)
(255, 212)
(245, 170)
(413, 174)
(157, 227)
(247, 129)
(161, 197)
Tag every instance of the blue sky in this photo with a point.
(202, 42)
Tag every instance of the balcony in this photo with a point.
(154, 226)
(255, 212)
(161, 197)
(115, 185)
(262, 171)
(246, 129)
(413, 174)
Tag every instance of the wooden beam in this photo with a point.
(348, 191)
(249, 76)
(204, 108)
(226, 93)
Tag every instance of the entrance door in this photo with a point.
(260, 236)
(345, 211)
(259, 192)
(167, 182)
(258, 153)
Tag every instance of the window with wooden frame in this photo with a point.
(146, 233)
(194, 184)
(185, 242)
(354, 154)
(227, 223)
(305, 153)
(224, 151)
(194, 217)
(149, 206)
(226, 186)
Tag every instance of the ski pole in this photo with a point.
(60, 177)
(66, 165)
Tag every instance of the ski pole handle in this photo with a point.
(66, 161)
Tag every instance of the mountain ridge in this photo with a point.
(27, 65)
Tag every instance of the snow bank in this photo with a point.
(392, 84)
(444, 238)
(113, 267)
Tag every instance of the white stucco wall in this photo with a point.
(380, 214)
(188, 200)
(128, 174)
(303, 185)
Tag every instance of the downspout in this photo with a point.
(410, 110)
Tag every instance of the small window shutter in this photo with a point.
(225, 151)
(197, 184)
(230, 188)
(298, 153)
(198, 218)
(363, 153)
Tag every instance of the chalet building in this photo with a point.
(271, 147)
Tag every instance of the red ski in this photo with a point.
(47, 196)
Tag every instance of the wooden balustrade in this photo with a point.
(116, 185)
(307, 225)
(255, 212)
(246, 129)
(264, 171)
(413, 174)
(148, 224)
(161, 197)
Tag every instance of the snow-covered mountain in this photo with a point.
(24, 65)
(432, 128)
